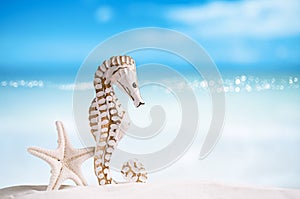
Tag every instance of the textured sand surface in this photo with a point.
(163, 190)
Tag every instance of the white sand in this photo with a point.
(165, 190)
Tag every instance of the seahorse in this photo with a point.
(106, 117)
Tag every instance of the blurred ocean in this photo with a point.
(259, 144)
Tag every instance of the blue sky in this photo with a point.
(52, 35)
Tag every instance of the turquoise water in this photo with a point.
(259, 145)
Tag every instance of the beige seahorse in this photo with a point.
(107, 117)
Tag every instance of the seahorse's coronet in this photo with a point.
(103, 68)
(99, 73)
(114, 61)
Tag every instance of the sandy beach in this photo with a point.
(163, 190)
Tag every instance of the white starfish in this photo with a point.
(65, 161)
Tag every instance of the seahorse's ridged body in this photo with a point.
(106, 117)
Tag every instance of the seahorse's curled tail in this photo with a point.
(134, 171)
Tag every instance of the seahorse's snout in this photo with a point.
(140, 103)
(136, 97)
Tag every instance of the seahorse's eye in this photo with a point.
(134, 85)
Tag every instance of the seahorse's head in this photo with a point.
(125, 78)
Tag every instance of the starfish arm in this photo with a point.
(54, 161)
(77, 178)
(64, 141)
(62, 136)
(80, 155)
(75, 162)
(55, 179)
(65, 161)
(64, 174)
(49, 156)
